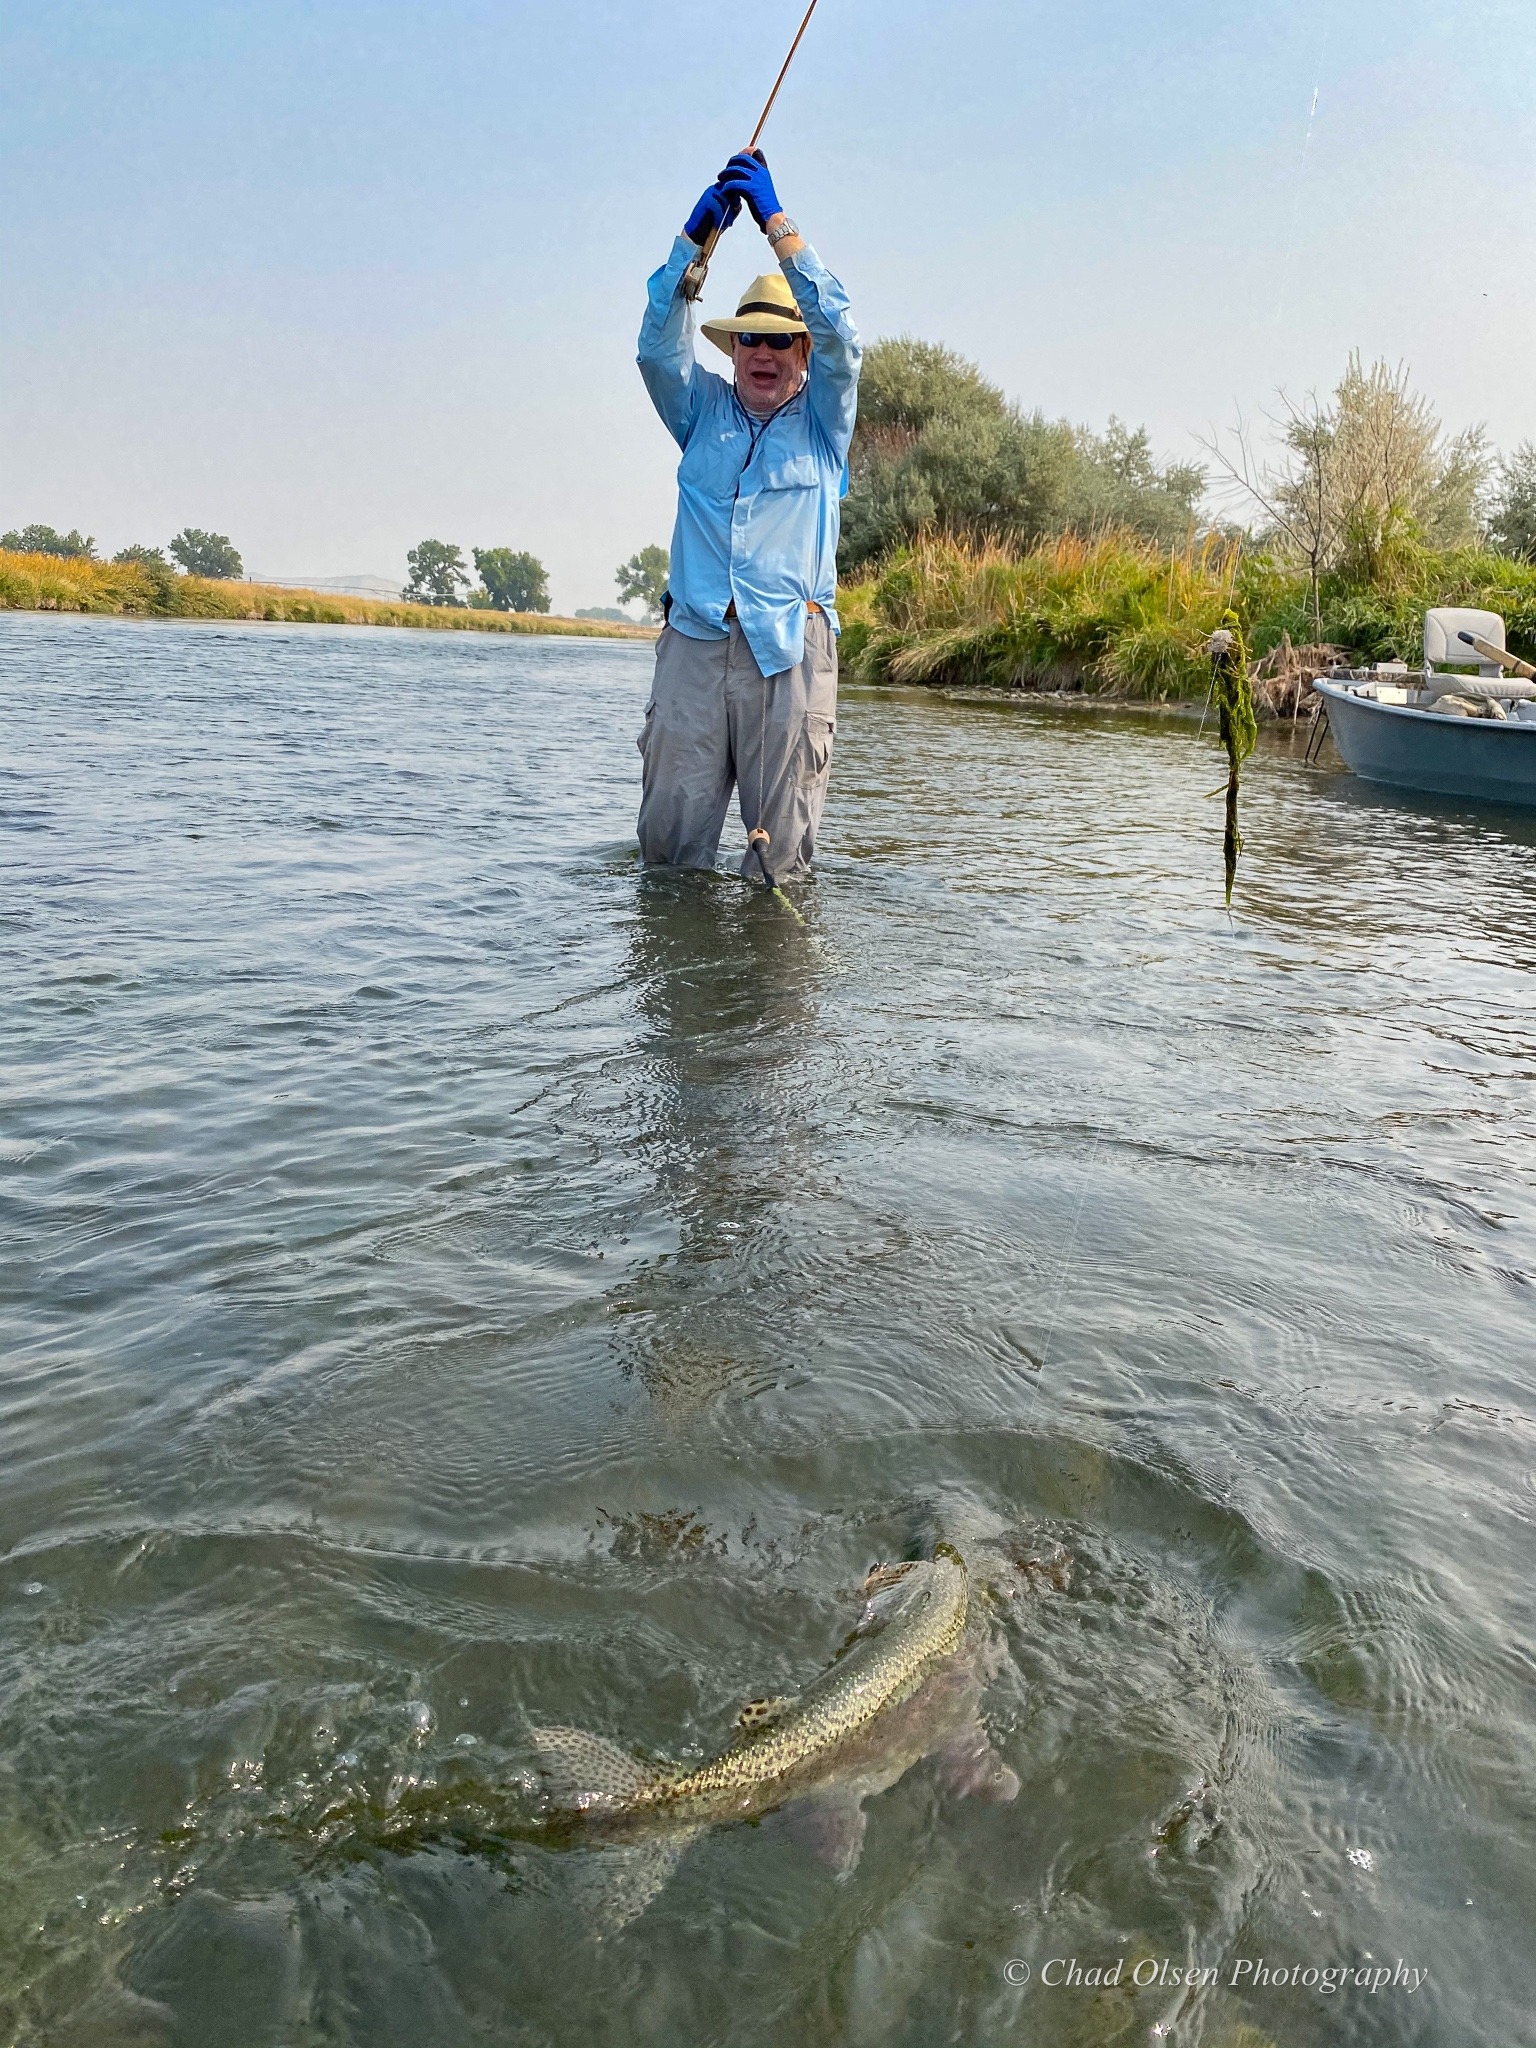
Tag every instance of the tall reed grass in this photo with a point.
(1116, 615)
(1113, 613)
(52, 584)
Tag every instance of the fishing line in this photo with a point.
(1210, 693)
(757, 837)
(1066, 1267)
(1301, 172)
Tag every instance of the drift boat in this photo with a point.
(1468, 733)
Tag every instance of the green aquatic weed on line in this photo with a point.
(1232, 688)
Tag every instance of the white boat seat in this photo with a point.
(1472, 676)
(1442, 647)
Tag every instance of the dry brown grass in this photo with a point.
(1109, 612)
(48, 583)
(1282, 680)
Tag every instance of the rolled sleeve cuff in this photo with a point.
(684, 249)
(822, 301)
(662, 307)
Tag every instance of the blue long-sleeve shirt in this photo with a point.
(757, 502)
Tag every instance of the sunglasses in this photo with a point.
(778, 342)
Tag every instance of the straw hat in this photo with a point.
(767, 306)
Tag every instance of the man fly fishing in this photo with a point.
(746, 668)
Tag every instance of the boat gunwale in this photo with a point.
(1329, 690)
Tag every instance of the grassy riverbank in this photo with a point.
(49, 583)
(1118, 616)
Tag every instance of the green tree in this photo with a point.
(513, 582)
(46, 540)
(1512, 525)
(437, 573)
(939, 448)
(1117, 481)
(643, 579)
(1395, 459)
(1367, 482)
(142, 557)
(206, 554)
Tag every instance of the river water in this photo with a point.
(452, 1283)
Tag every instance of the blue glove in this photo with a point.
(746, 177)
(716, 210)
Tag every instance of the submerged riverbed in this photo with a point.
(452, 1282)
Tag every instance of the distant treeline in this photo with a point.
(194, 551)
(510, 580)
(513, 582)
(51, 582)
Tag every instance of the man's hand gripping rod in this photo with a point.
(698, 269)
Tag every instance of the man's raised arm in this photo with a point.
(666, 356)
(832, 386)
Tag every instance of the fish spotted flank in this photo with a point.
(906, 1685)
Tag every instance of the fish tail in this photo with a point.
(581, 1770)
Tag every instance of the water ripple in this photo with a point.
(450, 1281)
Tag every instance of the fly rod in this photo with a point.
(698, 269)
(1489, 652)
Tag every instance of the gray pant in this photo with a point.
(715, 719)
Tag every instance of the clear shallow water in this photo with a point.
(450, 1282)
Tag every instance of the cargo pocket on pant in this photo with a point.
(643, 736)
(818, 740)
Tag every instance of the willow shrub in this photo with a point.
(1118, 615)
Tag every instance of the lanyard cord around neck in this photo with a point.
(756, 428)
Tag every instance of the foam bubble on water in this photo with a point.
(1362, 1859)
(32, 1586)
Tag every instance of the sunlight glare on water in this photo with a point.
(451, 1282)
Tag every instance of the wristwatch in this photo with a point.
(785, 228)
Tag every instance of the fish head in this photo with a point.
(893, 1594)
(900, 1596)
(881, 1575)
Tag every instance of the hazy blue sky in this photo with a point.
(330, 276)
